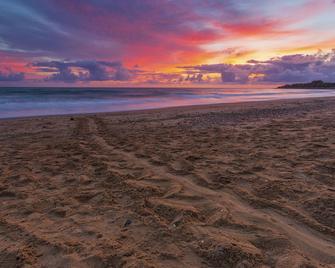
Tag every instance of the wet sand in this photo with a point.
(234, 185)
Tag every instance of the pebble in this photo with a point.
(127, 223)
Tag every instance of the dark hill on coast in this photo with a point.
(314, 84)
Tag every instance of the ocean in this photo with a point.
(23, 102)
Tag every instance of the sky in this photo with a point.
(165, 42)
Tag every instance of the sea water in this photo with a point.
(22, 102)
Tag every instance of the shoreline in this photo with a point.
(185, 107)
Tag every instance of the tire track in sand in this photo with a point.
(305, 239)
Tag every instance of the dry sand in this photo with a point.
(234, 185)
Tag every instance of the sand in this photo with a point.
(234, 185)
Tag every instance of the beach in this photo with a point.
(225, 185)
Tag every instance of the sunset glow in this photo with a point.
(149, 42)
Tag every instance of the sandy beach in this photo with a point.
(233, 185)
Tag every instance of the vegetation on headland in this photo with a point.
(317, 84)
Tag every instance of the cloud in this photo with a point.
(11, 77)
(289, 68)
(194, 78)
(140, 31)
(101, 29)
(159, 35)
(88, 70)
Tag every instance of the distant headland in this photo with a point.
(317, 84)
